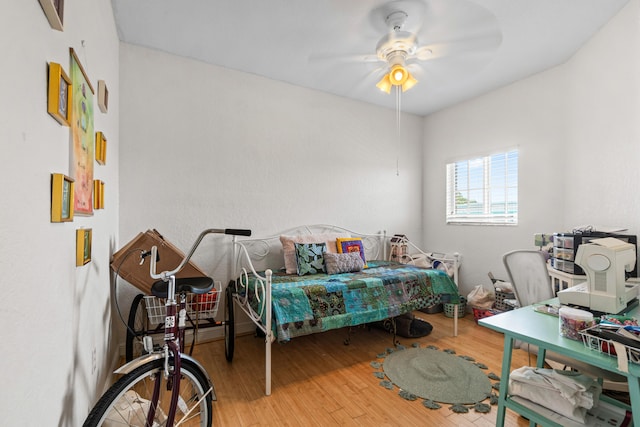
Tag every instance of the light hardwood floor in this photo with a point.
(319, 381)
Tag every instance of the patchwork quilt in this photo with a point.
(308, 304)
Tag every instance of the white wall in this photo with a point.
(53, 313)
(577, 131)
(203, 146)
(603, 138)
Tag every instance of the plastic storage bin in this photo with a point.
(479, 313)
(449, 308)
(565, 246)
(572, 321)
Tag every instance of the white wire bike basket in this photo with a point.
(199, 307)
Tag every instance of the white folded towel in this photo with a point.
(568, 393)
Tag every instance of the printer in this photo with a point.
(606, 290)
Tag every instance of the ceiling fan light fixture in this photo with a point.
(398, 75)
(409, 83)
(384, 84)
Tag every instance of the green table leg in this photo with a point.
(504, 380)
(634, 394)
(542, 354)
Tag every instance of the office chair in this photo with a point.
(527, 270)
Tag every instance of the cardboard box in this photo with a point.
(126, 262)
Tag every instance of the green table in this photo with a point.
(539, 329)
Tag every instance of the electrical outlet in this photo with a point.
(94, 361)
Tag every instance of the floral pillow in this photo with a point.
(290, 252)
(310, 258)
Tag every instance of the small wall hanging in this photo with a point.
(101, 148)
(54, 10)
(83, 246)
(103, 96)
(98, 194)
(59, 94)
(62, 188)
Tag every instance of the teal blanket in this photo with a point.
(303, 305)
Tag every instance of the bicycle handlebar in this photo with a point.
(165, 274)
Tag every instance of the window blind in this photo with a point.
(483, 190)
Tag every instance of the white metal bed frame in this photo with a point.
(256, 254)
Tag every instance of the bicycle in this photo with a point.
(156, 387)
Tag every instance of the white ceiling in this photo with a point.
(330, 45)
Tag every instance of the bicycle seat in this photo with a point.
(194, 285)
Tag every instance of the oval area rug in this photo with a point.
(437, 375)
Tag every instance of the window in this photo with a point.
(483, 190)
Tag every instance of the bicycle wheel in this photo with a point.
(128, 401)
(137, 325)
(229, 327)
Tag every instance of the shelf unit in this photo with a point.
(561, 280)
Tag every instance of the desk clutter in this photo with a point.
(615, 336)
(533, 328)
(609, 334)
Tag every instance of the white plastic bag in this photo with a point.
(505, 287)
(481, 298)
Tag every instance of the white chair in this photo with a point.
(527, 270)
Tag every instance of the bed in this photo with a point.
(304, 300)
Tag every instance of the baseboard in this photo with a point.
(215, 334)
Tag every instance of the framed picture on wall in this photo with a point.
(82, 137)
(62, 188)
(59, 94)
(103, 96)
(54, 11)
(101, 148)
(98, 194)
(83, 246)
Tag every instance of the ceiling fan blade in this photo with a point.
(367, 82)
(416, 69)
(447, 71)
(343, 58)
(485, 44)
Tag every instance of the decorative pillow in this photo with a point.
(343, 263)
(351, 244)
(310, 258)
(290, 252)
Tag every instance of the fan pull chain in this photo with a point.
(398, 127)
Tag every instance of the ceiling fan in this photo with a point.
(468, 30)
(395, 49)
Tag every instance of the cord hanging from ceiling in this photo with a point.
(398, 126)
